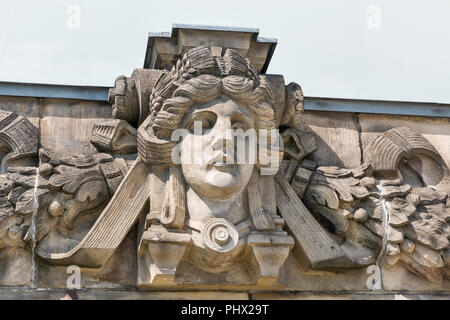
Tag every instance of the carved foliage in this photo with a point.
(418, 218)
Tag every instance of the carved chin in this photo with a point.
(218, 184)
(227, 181)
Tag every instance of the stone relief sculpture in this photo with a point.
(220, 220)
(400, 195)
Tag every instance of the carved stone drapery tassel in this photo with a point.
(261, 219)
(173, 211)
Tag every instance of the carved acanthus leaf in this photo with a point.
(26, 202)
(70, 178)
(428, 227)
(418, 231)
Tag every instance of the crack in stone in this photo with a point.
(385, 225)
(33, 229)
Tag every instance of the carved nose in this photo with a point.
(221, 142)
(222, 124)
(222, 135)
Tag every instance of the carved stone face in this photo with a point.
(208, 158)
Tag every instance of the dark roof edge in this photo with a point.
(93, 93)
(405, 108)
(41, 90)
(177, 26)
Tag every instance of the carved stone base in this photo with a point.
(267, 253)
(160, 252)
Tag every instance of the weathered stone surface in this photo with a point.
(149, 221)
(73, 120)
(332, 130)
(25, 106)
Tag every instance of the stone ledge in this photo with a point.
(351, 296)
(61, 294)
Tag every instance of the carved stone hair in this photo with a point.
(197, 78)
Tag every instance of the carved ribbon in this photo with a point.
(113, 224)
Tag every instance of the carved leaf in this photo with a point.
(23, 170)
(25, 203)
(334, 172)
(27, 181)
(427, 257)
(375, 226)
(394, 235)
(90, 196)
(16, 193)
(399, 210)
(432, 274)
(343, 192)
(79, 161)
(428, 228)
(429, 196)
(373, 208)
(71, 178)
(446, 257)
(396, 191)
(6, 208)
(8, 222)
(323, 195)
(363, 170)
(359, 192)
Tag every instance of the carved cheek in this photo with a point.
(195, 150)
(208, 137)
(187, 150)
(208, 142)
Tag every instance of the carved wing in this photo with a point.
(396, 205)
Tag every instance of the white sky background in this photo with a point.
(332, 48)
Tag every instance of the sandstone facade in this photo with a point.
(94, 197)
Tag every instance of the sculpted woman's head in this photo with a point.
(217, 174)
(210, 97)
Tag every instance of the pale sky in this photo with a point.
(357, 49)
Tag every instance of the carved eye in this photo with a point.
(239, 121)
(204, 120)
(239, 125)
